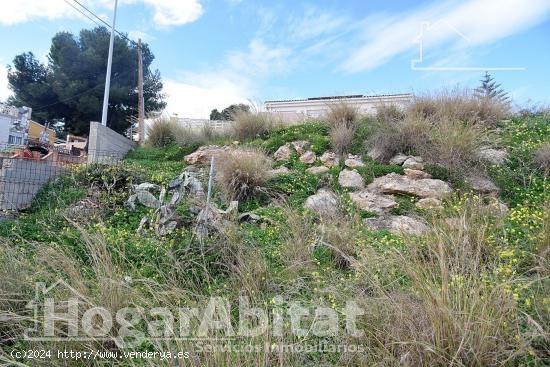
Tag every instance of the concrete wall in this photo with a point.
(20, 180)
(106, 145)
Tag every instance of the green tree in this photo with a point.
(228, 112)
(490, 89)
(70, 87)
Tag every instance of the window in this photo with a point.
(18, 140)
(11, 139)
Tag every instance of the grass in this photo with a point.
(472, 291)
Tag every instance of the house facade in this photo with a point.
(14, 124)
(300, 109)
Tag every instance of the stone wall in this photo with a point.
(106, 145)
(21, 179)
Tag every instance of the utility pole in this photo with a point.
(141, 106)
(108, 76)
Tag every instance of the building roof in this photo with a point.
(353, 96)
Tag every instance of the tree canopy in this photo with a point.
(70, 86)
(228, 112)
(490, 89)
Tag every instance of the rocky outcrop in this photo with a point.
(317, 170)
(205, 153)
(283, 153)
(483, 185)
(416, 174)
(323, 202)
(354, 161)
(397, 224)
(300, 146)
(329, 159)
(308, 157)
(351, 179)
(415, 163)
(372, 202)
(398, 184)
(492, 155)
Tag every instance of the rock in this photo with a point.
(398, 184)
(493, 156)
(147, 199)
(482, 185)
(370, 201)
(351, 178)
(399, 159)
(429, 203)
(416, 174)
(146, 186)
(249, 217)
(300, 146)
(175, 183)
(323, 202)
(232, 211)
(283, 153)
(308, 157)
(375, 153)
(191, 185)
(354, 161)
(329, 159)
(204, 154)
(278, 171)
(414, 163)
(317, 170)
(397, 224)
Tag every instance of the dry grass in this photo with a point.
(242, 173)
(389, 113)
(341, 137)
(251, 125)
(458, 105)
(160, 133)
(342, 113)
(449, 314)
(164, 131)
(542, 158)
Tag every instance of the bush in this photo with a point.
(341, 137)
(389, 113)
(242, 173)
(342, 113)
(458, 105)
(160, 133)
(542, 158)
(252, 125)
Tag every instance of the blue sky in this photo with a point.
(215, 52)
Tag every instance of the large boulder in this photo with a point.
(204, 154)
(373, 202)
(492, 155)
(416, 174)
(283, 153)
(323, 202)
(329, 159)
(394, 183)
(351, 178)
(308, 157)
(397, 224)
(317, 170)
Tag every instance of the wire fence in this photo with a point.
(25, 170)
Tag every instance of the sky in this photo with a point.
(212, 53)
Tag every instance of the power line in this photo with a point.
(98, 18)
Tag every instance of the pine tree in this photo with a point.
(490, 89)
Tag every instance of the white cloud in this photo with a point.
(165, 12)
(314, 23)
(482, 21)
(235, 80)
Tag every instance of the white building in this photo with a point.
(300, 109)
(14, 124)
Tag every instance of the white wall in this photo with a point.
(5, 124)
